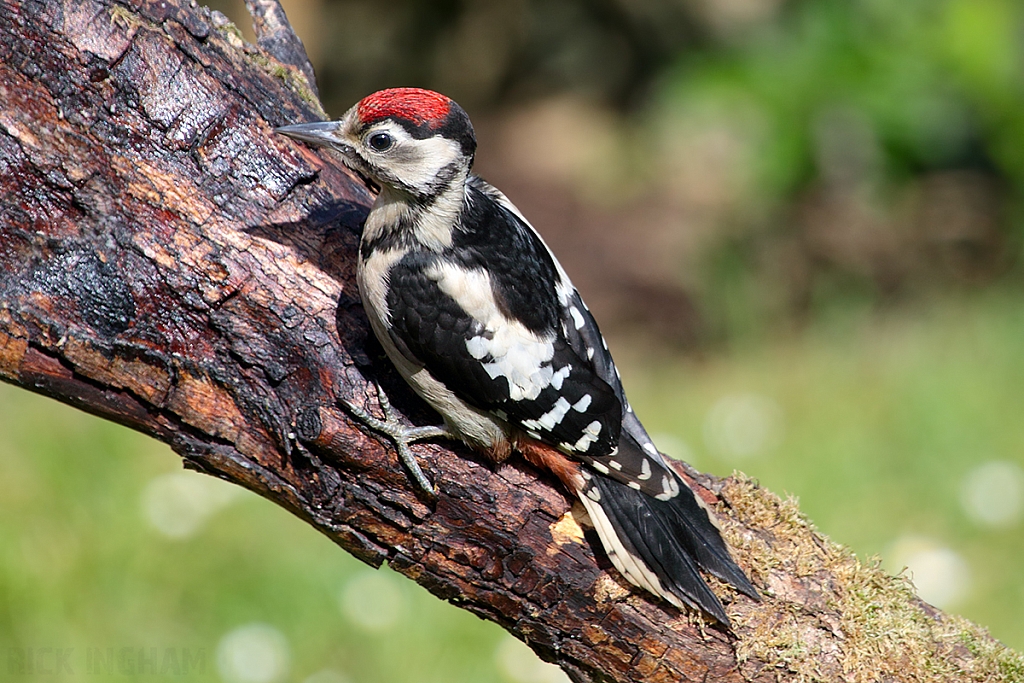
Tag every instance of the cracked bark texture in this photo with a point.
(168, 263)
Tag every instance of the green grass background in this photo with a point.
(881, 416)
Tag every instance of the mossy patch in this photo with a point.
(291, 77)
(228, 30)
(828, 616)
(125, 18)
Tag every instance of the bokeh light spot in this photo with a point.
(741, 426)
(178, 504)
(519, 664)
(373, 601)
(993, 493)
(940, 575)
(254, 653)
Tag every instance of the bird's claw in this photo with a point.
(402, 435)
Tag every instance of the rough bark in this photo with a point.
(168, 263)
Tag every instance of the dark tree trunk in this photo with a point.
(168, 263)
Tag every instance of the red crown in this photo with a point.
(413, 104)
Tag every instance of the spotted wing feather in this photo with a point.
(532, 380)
(635, 461)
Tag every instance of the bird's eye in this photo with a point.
(381, 141)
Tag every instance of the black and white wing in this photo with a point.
(486, 320)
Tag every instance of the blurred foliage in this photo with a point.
(880, 424)
(917, 85)
(487, 54)
(881, 150)
(97, 564)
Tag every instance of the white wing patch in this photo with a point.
(551, 418)
(520, 356)
(590, 434)
(478, 347)
(669, 488)
(577, 317)
(645, 470)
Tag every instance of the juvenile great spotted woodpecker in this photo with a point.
(480, 319)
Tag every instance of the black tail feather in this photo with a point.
(695, 531)
(673, 539)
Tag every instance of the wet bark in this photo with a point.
(168, 263)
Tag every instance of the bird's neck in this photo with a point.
(402, 219)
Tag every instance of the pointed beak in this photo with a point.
(321, 133)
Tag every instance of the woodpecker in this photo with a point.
(480, 319)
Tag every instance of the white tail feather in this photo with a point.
(633, 568)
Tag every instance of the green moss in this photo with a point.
(122, 16)
(293, 78)
(231, 33)
(828, 616)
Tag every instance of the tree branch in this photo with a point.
(168, 263)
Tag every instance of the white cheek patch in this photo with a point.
(417, 162)
(517, 354)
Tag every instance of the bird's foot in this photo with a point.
(403, 435)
